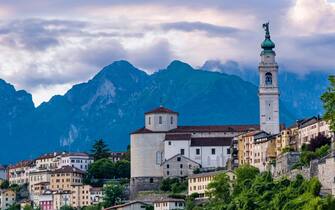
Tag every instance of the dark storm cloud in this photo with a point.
(210, 29)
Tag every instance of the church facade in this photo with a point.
(155, 145)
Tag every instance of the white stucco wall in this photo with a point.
(144, 148)
(169, 121)
(175, 148)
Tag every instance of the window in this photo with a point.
(167, 166)
(178, 159)
(160, 120)
(213, 151)
(169, 142)
(158, 158)
(151, 180)
(268, 78)
(182, 151)
(171, 119)
(168, 173)
(149, 121)
(197, 151)
(181, 165)
(228, 151)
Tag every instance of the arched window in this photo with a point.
(268, 78)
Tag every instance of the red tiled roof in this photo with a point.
(68, 169)
(214, 128)
(48, 155)
(24, 163)
(211, 141)
(82, 154)
(204, 128)
(125, 204)
(161, 110)
(178, 136)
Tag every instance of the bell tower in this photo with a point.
(268, 86)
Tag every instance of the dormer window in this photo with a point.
(268, 78)
(160, 120)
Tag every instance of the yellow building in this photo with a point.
(7, 198)
(61, 198)
(198, 183)
(66, 177)
(81, 196)
(245, 148)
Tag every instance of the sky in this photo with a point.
(48, 46)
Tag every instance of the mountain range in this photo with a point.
(113, 102)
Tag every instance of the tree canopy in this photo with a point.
(328, 99)
(254, 190)
(100, 150)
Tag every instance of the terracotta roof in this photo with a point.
(161, 110)
(169, 200)
(49, 155)
(211, 141)
(204, 128)
(68, 169)
(214, 128)
(212, 173)
(180, 136)
(23, 163)
(182, 156)
(82, 154)
(126, 204)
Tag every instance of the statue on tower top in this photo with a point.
(267, 44)
(266, 28)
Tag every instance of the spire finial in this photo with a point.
(267, 44)
(266, 28)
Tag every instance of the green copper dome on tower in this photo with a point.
(267, 44)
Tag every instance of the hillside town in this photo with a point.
(167, 163)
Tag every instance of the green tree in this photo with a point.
(4, 184)
(244, 175)
(328, 99)
(66, 207)
(15, 206)
(113, 194)
(220, 188)
(100, 150)
(93, 207)
(122, 169)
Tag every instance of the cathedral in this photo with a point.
(162, 148)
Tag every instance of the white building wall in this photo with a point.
(147, 153)
(269, 94)
(167, 122)
(209, 160)
(80, 162)
(172, 148)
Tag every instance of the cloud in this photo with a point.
(210, 29)
(36, 34)
(155, 56)
(47, 46)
